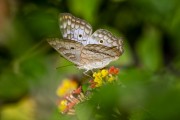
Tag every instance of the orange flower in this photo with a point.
(78, 90)
(113, 70)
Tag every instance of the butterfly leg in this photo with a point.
(92, 71)
(85, 73)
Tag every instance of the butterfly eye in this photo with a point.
(80, 35)
(101, 41)
(72, 48)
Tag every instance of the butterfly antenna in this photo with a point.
(64, 66)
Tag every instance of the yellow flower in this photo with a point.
(104, 72)
(94, 74)
(97, 74)
(111, 78)
(62, 105)
(66, 87)
(98, 81)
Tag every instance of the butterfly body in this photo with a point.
(86, 50)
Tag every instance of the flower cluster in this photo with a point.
(66, 103)
(70, 94)
(104, 76)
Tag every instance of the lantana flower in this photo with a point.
(104, 73)
(66, 87)
(62, 105)
(70, 94)
(113, 70)
(104, 76)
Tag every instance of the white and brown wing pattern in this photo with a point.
(106, 38)
(97, 56)
(74, 28)
(67, 48)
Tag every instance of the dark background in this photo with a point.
(149, 67)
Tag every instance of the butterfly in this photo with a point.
(86, 50)
(76, 29)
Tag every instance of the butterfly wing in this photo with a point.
(106, 38)
(74, 28)
(69, 49)
(98, 56)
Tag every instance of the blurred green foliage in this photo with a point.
(149, 66)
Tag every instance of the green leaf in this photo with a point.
(84, 111)
(149, 49)
(85, 8)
